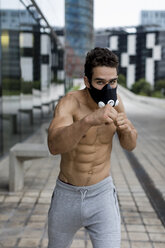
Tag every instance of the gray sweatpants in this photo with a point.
(94, 207)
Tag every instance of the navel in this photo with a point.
(90, 172)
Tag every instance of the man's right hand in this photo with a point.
(107, 115)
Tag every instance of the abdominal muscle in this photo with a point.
(86, 165)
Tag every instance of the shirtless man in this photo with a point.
(82, 131)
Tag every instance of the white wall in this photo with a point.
(149, 73)
(113, 43)
(26, 40)
(130, 75)
(45, 68)
(131, 44)
(27, 68)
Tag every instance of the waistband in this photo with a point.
(108, 181)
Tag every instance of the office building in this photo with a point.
(141, 52)
(78, 35)
(154, 18)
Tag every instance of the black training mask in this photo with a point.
(104, 96)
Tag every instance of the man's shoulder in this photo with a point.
(71, 96)
(77, 97)
(69, 102)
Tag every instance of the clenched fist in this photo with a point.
(107, 114)
(122, 123)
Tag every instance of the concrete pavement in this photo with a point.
(23, 215)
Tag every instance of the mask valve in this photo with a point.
(111, 102)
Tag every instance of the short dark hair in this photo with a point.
(99, 57)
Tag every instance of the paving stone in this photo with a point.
(12, 199)
(124, 235)
(44, 243)
(125, 244)
(141, 245)
(146, 209)
(9, 242)
(36, 225)
(155, 229)
(123, 228)
(38, 218)
(130, 220)
(41, 209)
(10, 233)
(44, 200)
(89, 244)
(4, 217)
(29, 242)
(152, 221)
(131, 214)
(26, 206)
(28, 200)
(135, 228)
(17, 220)
(31, 194)
(46, 194)
(128, 208)
(138, 236)
(1, 198)
(157, 237)
(31, 232)
(152, 215)
(78, 243)
(159, 245)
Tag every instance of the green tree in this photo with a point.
(160, 87)
(142, 87)
(122, 80)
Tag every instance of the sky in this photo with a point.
(107, 13)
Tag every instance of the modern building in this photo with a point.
(30, 61)
(141, 52)
(153, 17)
(78, 35)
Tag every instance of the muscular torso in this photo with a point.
(89, 162)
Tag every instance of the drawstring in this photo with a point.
(83, 193)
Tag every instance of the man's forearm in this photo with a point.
(65, 139)
(128, 139)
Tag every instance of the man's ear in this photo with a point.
(86, 82)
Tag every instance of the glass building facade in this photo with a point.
(30, 61)
(78, 35)
(153, 17)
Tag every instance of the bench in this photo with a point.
(18, 154)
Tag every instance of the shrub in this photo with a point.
(142, 87)
(122, 80)
(160, 86)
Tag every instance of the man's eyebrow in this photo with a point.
(113, 79)
(102, 79)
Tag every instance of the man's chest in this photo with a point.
(97, 134)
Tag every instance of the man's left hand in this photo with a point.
(122, 123)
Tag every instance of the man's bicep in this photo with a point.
(63, 114)
(61, 121)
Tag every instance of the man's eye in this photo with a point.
(100, 82)
(113, 82)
